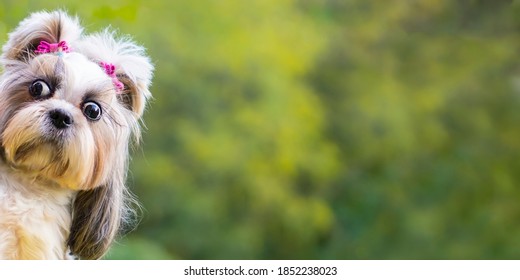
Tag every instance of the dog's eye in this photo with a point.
(39, 89)
(92, 111)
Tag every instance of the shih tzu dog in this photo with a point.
(69, 106)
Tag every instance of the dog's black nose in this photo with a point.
(60, 119)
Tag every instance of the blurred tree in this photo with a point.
(245, 132)
(426, 89)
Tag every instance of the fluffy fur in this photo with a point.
(62, 173)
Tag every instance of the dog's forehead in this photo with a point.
(69, 66)
(81, 67)
(74, 75)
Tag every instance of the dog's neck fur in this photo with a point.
(35, 217)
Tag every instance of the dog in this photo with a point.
(70, 107)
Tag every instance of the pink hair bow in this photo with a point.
(110, 69)
(46, 47)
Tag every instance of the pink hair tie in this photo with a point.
(46, 47)
(110, 69)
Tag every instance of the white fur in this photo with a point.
(122, 52)
(40, 211)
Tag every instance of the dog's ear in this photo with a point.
(99, 215)
(132, 67)
(101, 212)
(52, 27)
(95, 222)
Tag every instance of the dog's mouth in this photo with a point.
(37, 157)
(49, 156)
(42, 151)
(46, 161)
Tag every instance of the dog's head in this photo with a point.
(70, 104)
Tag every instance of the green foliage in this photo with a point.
(322, 129)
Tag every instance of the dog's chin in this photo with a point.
(44, 160)
(33, 156)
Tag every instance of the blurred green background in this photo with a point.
(322, 129)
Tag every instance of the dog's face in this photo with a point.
(67, 112)
(63, 121)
